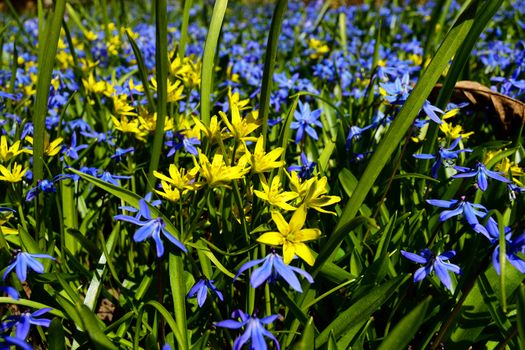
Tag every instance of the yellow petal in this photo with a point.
(271, 238)
(288, 252)
(304, 253)
(298, 219)
(307, 234)
(282, 225)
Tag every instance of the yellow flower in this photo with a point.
(170, 193)
(262, 162)
(291, 236)
(315, 197)
(217, 173)
(127, 125)
(450, 130)
(507, 166)
(212, 131)
(319, 47)
(122, 107)
(4, 217)
(174, 90)
(6, 152)
(50, 149)
(274, 195)
(180, 179)
(14, 175)
(148, 122)
(240, 127)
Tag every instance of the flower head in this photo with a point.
(200, 289)
(469, 210)
(254, 332)
(24, 321)
(482, 174)
(24, 260)
(273, 267)
(305, 122)
(151, 227)
(292, 236)
(433, 263)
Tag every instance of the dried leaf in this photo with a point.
(509, 110)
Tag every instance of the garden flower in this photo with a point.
(73, 149)
(46, 186)
(24, 260)
(444, 156)
(274, 194)
(292, 236)
(355, 133)
(469, 210)
(200, 289)
(188, 143)
(433, 263)
(262, 162)
(482, 173)
(315, 195)
(7, 343)
(305, 122)
(255, 331)
(240, 127)
(273, 267)
(6, 152)
(305, 170)
(152, 227)
(512, 248)
(121, 152)
(217, 173)
(24, 321)
(15, 174)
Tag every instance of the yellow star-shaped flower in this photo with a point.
(14, 175)
(262, 162)
(274, 194)
(292, 236)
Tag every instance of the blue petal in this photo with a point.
(442, 274)
(144, 232)
(441, 203)
(261, 274)
(422, 272)
(201, 295)
(447, 214)
(287, 274)
(231, 324)
(174, 240)
(414, 257)
(248, 265)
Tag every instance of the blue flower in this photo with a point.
(433, 263)
(24, 321)
(201, 290)
(46, 186)
(7, 343)
(430, 110)
(152, 227)
(482, 174)
(73, 149)
(24, 260)
(10, 291)
(272, 268)
(444, 156)
(469, 210)
(355, 133)
(491, 231)
(255, 330)
(181, 141)
(305, 121)
(121, 152)
(305, 170)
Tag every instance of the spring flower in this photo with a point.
(46, 186)
(315, 197)
(151, 227)
(24, 321)
(469, 210)
(444, 156)
(16, 173)
(305, 122)
(274, 194)
(10, 291)
(512, 248)
(305, 170)
(217, 173)
(7, 343)
(200, 289)
(273, 267)
(262, 162)
(24, 260)
(355, 133)
(292, 236)
(240, 127)
(255, 331)
(433, 263)
(6, 152)
(482, 173)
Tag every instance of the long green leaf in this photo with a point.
(178, 290)
(269, 63)
(407, 328)
(93, 328)
(161, 60)
(208, 59)
(184, 27)
(360, 310)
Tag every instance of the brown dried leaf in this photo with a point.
(508, 109)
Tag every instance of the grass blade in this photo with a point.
(208, 59)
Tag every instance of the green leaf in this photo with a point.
(178, 290)
(56, 336)
(360, 310)
(93, 328)
(208, 58)
(269, 63)
(521, 320)
(184, 27)
(308, 338)
(143, 72)
(407, 328)
(161, 60)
